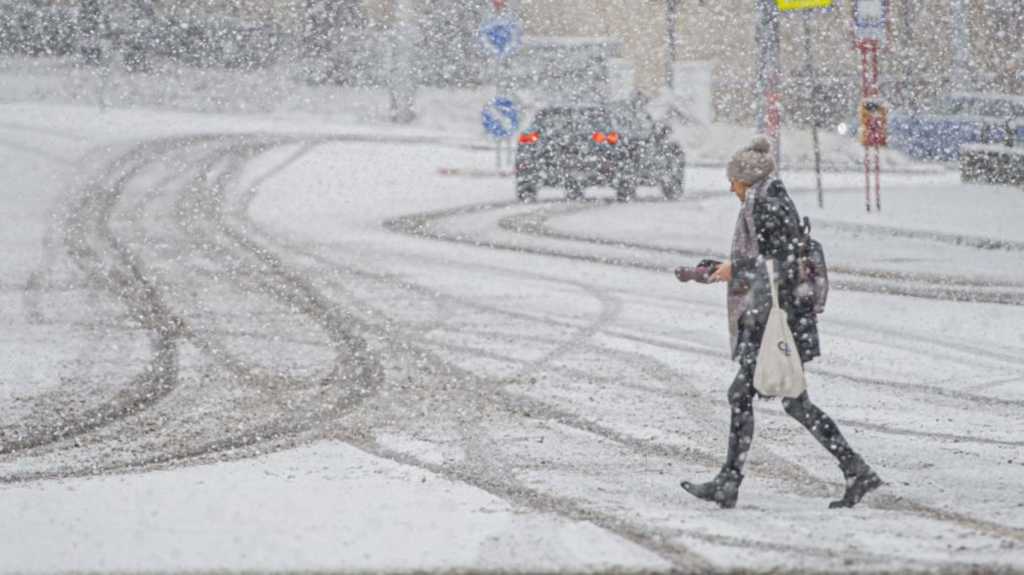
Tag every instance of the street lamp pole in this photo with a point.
(769, 113)
(961, 44)
(671, 24)
(815, 93)
(402, 81)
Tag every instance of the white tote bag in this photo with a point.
(779, 372)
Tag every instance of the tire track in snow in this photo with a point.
(536, 223)
(563, 505)
(678, 555)
(296, 293)
(514, 406)
(939, 287)
(420, 225)
(569, 421)
(778, 467)
(795, 476)
(108, 263)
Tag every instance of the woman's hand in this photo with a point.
(723, 273)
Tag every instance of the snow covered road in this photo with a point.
(438, 369)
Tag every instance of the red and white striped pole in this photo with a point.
(870, 89)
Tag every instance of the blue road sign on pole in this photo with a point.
(502, 36)
(500, 118)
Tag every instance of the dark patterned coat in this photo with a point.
(778, 232)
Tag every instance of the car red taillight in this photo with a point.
(598, 137)
(601, 137)
(529, 138)
(613, 138)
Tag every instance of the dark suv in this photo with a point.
(619, 146)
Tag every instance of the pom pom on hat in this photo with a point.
(753, 163)
(760, 144)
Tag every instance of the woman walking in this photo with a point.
(768, 228)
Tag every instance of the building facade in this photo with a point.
(919, 61)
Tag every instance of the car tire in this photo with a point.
(526, 192)
(573, 191)
(672, 188)
(625, 192)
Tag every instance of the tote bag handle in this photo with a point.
(770, 265)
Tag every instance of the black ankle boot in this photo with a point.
(860, 480)
(724, 489)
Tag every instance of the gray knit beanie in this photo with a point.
(753, 163)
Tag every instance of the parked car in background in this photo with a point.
(1001, 163)
(618, 145)
(992, 164)
(962, 118)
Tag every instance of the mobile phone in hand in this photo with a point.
(701, 273)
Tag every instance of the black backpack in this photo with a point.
(813, 272)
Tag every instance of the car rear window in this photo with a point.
(574, 120)
(629, 121)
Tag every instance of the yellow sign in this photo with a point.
(791, 5)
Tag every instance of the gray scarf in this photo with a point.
(744, 244)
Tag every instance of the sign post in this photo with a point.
(502, 36)
(812, 76)
(402, 81)
(769, 116)
(500, 118)
(807, 6)
(501, 121)
(870, 19)
(671, 23)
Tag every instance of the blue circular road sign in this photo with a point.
(500, 118)
(502, 36)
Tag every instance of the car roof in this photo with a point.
(557, 110)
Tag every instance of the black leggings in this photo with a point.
(741, 432)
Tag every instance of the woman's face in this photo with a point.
(740, 189)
